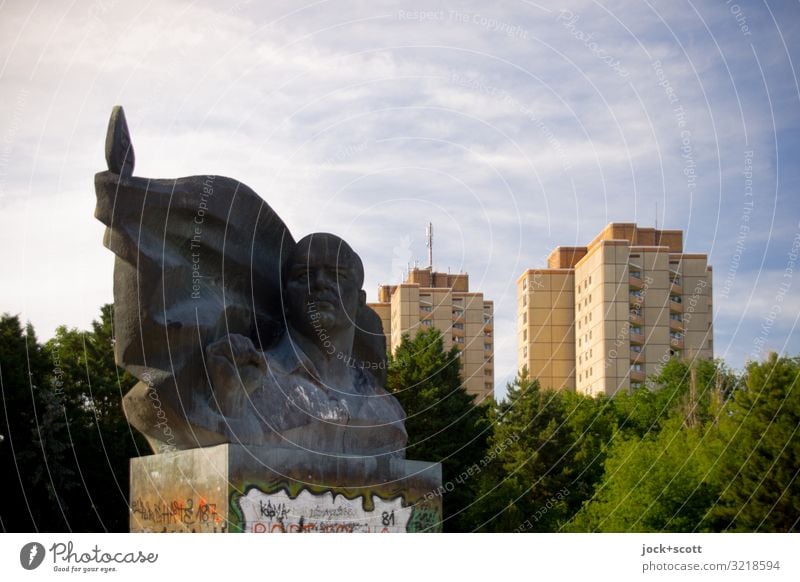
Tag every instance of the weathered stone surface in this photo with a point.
(233, 488)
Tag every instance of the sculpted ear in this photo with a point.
(362, 298)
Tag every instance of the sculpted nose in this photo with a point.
(320, 280)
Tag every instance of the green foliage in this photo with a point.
(33, 452)
(66, 435)
(101, 439)
(443, 423)
(550, 448)
(700, 454)
(756, 463)
(651, 484)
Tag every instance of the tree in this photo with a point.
(443, 423)
(755, 463)
(550, 448)
(657, 476)
(101, 440)
(32, 451)
(656, 483)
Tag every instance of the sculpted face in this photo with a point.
(322, 285)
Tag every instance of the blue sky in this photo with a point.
(513, 127)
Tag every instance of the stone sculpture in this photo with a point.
(237, 333)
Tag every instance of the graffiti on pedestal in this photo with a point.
(326, 512)
(188, 514)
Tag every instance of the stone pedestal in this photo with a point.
(234, 488)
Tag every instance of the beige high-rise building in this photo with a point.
(603, 317)
(441, 300)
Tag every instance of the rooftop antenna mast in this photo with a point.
(429, 244)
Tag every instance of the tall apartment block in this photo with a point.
(601, 318)
(442, 300)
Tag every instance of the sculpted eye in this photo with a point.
(300, 275)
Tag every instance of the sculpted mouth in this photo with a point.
(322, 301)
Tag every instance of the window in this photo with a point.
(636, 329)
(524, 335)
(457, 313)
(675, 298)
(525, 352)
(636, 274)
(636, 367)
(487, 319)
(590, 279)
(636, 349)
(635, 385)
(487, 347)
(525, 299)
(426, 322)
(458, 326)
(458, 340)
(426, 308)
(524, 283)
(525, 317)
(676, 317)
(676, 335)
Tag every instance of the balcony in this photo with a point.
(636, 299)
(637, 338)
(676, 343)
(675, 306)
(635, 282)
(675, 325)
(637, 357)
(638, 375)
(636, 317)
(675, 286)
